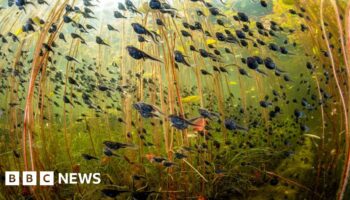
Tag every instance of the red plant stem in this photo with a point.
(345, 174)
(28, 114)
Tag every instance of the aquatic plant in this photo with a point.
(197, 99)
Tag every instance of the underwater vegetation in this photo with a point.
(184, 99)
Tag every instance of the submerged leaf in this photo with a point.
(313, 136)
(190, 99)
(211, 41)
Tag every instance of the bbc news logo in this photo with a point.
(47, 178)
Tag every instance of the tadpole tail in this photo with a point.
(155, 36)
(152, 58)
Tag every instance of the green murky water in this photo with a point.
(243, 99)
